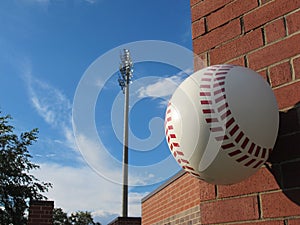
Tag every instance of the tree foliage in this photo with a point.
(17, 185)
(78, 218)
(60, 217)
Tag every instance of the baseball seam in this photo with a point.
(223, 125)
(174, 145)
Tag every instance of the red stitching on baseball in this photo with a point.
(219, 73)
(222, 107)
(216, 129)
(205, 102)
(239, 137)
(217, 100)
(206, 79)
(205, 94)
(208, 111)
(171, 147)
(250, 162)
(245, 143)
(226, 146)
(260, 162)
(257, 151)
(173, 135)
(219, 91)
(236, 152)
(218, 84)
(176, 144)
(221, 138)
(234, 130)
(228, 124)
(188, 167)
(226, 114)
(264, 152)
(219, 78)
(179, 155)
(212, 120)
(204, 86)
(251, 148)
(242, 158)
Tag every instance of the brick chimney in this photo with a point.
(41, 213)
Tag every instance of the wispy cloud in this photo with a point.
(53, 106)
(164, 86)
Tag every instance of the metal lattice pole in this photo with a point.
(126, 72)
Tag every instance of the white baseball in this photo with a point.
(221, 123)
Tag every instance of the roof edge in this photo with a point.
(168, 182)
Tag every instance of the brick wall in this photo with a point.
(260, 34)
(41, 213)
(263, 35)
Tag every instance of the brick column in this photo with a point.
(41, 213)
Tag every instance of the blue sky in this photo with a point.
(48, 48)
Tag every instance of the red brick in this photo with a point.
(275, 30)
(269, 12)
(293, 22)
(206, 7)
(274, 53)
(263, 73)
(288, 96)
(229, 210)
(280, 74)
(280, 204)
(194, 2)
(263, 180)
(181, 194)
(217, 37)
(198, 28)
(229, 12)
(294, 222)
(291, 174)
(265, 1)
(237, 47)
(239, 62)
(207, 191)
(273, 222)
(296, 66)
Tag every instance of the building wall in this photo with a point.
(263, 35)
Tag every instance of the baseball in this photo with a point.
(221, 123)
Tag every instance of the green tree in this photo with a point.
(78, 218)
(60, 217)
(17, 185)
(82, 218)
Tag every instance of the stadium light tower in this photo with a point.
(126, 73)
